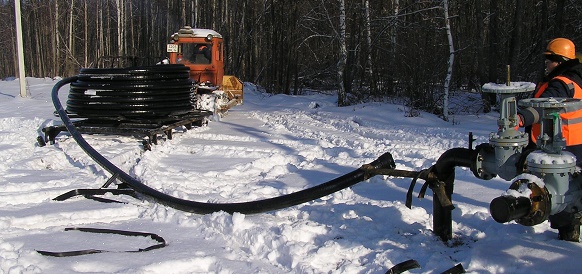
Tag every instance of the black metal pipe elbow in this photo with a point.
(444, 170)
(455, 157)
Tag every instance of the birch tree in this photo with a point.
(56, 41)
(70, 43)
(450, 61)
(396, 11)
(194, 13)
(369, 69)
(86, 35)
(343, 56)
(120, 28)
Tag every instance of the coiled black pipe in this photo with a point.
(134, 92)
(347, 180)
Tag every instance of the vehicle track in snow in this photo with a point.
(363, 138)
(257, 164)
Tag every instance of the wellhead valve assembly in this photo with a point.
(545, 181)
(550, 187)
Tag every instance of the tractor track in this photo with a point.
(355, 136)
(316, 139)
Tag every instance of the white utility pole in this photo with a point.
(20, 49)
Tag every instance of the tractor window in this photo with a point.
(197, 53)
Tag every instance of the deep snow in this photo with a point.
(271, 145)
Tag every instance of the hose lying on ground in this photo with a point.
(384, 161)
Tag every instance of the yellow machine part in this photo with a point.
(233, 88)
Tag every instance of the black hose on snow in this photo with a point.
(347, 180)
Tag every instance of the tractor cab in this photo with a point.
(200, 50)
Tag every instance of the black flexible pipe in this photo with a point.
(347, 180)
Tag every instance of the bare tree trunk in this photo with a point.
(168, 8)
(39, 47)
(56, 41)
(14, 56)
(183, 17)
(481, 68)
(257, 70)
(71, 48)
(214, 14)
(86, 41)
(120, 37)
(493, 39)
(132, 37)
(341, 66)
(195, 14)
(516, 37)
(544, 31)
(369, 69)
(450, 61)
(560, 32)
(100, 35)
(395, 28)
(108, 43)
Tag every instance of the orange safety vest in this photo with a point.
(571, 118)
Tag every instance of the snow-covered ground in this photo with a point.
(270, 146)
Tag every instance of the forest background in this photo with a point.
(413, 50)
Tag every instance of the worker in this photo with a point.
(205, 51)
(563, 79)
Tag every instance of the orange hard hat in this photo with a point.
(561, 47)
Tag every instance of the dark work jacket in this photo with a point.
(572, 70)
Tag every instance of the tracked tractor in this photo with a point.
(202, 50)
(128, 95)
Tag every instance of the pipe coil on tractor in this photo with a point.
(131, 93)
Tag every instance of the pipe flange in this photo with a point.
(482, 169)
(509, 139)
(539, 196)
(549, 163)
